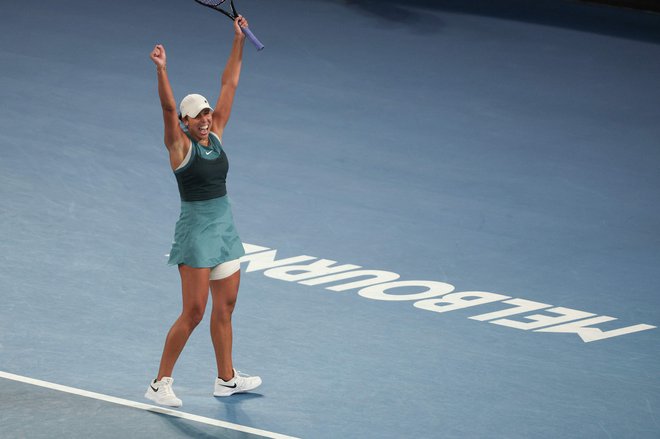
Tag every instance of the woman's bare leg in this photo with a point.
(224, 293)
(195, 293)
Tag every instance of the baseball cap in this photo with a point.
(192, 105)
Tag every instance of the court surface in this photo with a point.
(483, 178)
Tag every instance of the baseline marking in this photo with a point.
(141, 406)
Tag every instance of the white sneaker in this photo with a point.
(161, 393)
(239, 384)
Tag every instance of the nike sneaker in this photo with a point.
(161, 393)
(239, 384)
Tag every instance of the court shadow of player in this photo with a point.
(230, 407)
(186, 428)
(238, 398)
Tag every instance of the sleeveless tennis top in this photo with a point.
(204, 176)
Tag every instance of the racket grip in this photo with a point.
(248, 33)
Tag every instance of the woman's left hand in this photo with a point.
(238, 24)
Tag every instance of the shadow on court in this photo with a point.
(27, 411)
(183, 428)
(575, 15)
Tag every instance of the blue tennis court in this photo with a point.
(450, 213)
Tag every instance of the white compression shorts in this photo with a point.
(225, 269)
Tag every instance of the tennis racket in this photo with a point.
(215, 4)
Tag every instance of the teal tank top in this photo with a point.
(204, 176)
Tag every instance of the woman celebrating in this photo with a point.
(206, 245)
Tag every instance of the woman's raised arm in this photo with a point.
(230, 78)
(175, 139)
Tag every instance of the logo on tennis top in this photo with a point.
(209, 152)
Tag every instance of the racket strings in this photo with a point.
(211, 2)
(215, 4)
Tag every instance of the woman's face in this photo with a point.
(200, 126)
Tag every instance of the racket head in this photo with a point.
(215, 4)
(212, 3)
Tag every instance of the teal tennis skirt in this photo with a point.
(205, 234)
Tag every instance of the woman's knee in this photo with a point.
(224, 310)
(193, 315)
(195, 290)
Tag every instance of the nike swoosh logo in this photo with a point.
(208, 152)
(152, 388)
(231, 387)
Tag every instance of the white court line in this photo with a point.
(141, 406)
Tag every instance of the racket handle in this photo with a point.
(248, 33)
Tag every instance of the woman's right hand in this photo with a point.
(158, 56)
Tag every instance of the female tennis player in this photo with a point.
(206, 245)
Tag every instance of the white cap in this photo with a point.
(192, 105)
